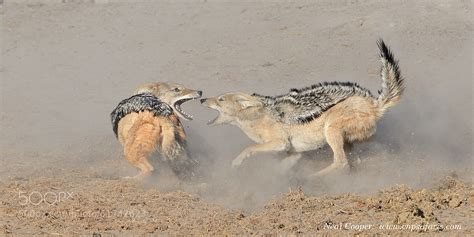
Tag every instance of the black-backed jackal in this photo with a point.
(305, 119)
(148, 121)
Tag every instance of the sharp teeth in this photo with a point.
(179, 110)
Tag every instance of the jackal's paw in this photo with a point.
(237, 162)
(140, 176)
(339, 166)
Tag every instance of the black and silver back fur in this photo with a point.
(139, 103)
(304, 105)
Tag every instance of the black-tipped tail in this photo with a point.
(392, 80)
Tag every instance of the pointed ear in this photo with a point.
(148, 88)
(245, 103)
(142, 90)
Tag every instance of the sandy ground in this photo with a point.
(65, 66)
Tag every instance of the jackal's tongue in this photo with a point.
(212, 121)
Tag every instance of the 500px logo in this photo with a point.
(36, 198)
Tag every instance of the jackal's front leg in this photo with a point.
(274, 146)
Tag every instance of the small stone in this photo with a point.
(455, 202)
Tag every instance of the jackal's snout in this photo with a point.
(208, 102)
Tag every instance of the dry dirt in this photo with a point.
(109, 206)
(65, 66)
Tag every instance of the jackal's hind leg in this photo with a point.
(350, 154)
(141, 162)
(335, 139)
(140, 145)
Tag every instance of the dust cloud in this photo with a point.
(66, 66)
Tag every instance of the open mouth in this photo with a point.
(212, 121)
(205, 102)
(177, 107)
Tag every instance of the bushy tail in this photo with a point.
(392, 81)
(179, 159)
(184, 167)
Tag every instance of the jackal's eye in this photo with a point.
(176, 89)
